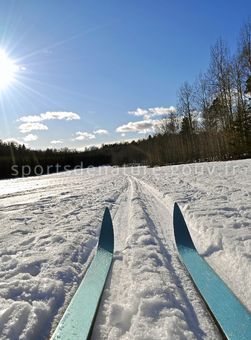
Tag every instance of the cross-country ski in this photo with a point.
(79, 317)
(230, 314)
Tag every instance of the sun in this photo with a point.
(8, 70)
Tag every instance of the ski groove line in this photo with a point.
(149, 195)
(121, 221)
(143, 270)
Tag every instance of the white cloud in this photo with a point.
(12, 140)
(59, 116)
(30, 119)
(84, 135)
(56, 142)
(50, 115)
(152, 112)
(28, 127)
(30, 138)
(149, 121)
(160, 111)
(143, 126)
(101, 132)
(138, 112)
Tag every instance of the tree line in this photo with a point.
(213, 118)
(212, 122)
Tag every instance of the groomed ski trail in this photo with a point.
(148, 294)
(50, 227)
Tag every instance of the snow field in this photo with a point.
(50, 227)
(49, 230)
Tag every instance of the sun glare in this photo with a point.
(8, 70)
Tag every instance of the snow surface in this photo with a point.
(50, 227)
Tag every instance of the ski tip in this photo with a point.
(106, 238)
(181, 232)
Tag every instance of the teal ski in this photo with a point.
(231, 316)
(78, 319)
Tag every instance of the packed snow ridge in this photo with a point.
(49, 230)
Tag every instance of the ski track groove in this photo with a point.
(163, 227)
(121, 221)
(156, 218)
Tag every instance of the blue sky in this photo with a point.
(83, 65)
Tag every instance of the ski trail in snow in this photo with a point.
(216, 201)
(144, 296)
(121, 220)
(161, 208)
(159, 213)
(49, 230)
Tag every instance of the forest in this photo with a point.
(212, 122)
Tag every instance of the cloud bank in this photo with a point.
(84, 135)
(152, 112)
(149, 122)
(101, 132)
(56, 142)
(142, 126)
(50, 115)
(12, 140)
(30, 138)
(28, 127)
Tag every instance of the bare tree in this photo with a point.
(186, 106)
(220, 80)
(169, 124)
(244, 45)
(203, 98)
(242, 72)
